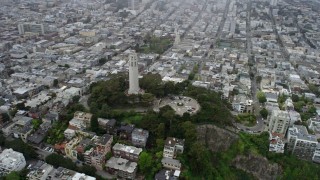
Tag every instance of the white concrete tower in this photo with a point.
(177, 38)
(133, 74)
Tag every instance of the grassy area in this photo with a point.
(132, 119)
(155, 45)
(247, 119)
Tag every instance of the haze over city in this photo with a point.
(159, 89)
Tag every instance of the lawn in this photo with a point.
(247, 119)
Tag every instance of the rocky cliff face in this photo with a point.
(219, 140)
(215, 138)
(258, 166)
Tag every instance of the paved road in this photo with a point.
(259, 127)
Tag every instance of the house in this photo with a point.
(165, 174)
(170, 163)
(127, 152)
(107, 124)
(123, 168)
(172, 147)
(139, 137)
(276, 143)
(271, 97)
(125, 131)
(81, 120)
(69, 133)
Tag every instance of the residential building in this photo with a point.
(31, 28)
(170, 163)
(172, 147)
(314, 124)
(125, 131)
(165, 174)
(11, 160)
(80, 121)
(127, 152)
(40, 171)
(301, 143)
(242, 104)
(316, 155)
(139, 137)
(107, 124)
(276, 143)
(279, 121)
(123, 168)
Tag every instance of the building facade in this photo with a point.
(301, 143)
(31, 28)
(172, 147)
(11, 160)
(127, 152)
(279, 121)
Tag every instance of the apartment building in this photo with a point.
(123, 168)
(127, 152)
(31, 28)
(301, 143)
(279, 121)
(11, 160)
(172, 147)
(139, 137)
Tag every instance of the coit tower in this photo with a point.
(133, 74)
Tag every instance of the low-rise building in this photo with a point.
(300, 142)
(81, 120)
(123, 168)
(127, 152)
(276, 143)
(11, 160)
(40, 171)
(108, 124)
(172, 147)
(170, 163)
(139, 137)
(165, 174)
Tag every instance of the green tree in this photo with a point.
(57, 160)
(94, 124)
(145, 162)
(295, 98)
(75, 99)
(5, 117)
(13, 176)
(36, 123)
(264, 113)
(102, 61)
(258, 79)
(55, 83)
(261, 97)
(20, 146)
(108, 156)
(88, 170)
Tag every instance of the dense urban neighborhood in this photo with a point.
(159, 89)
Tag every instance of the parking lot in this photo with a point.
(180, 104)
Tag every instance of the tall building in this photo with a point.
(31, 28)
(133, 4)
(279, 121)
(133, 74)
(177, 39)
(11, 160)
(301, 143)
